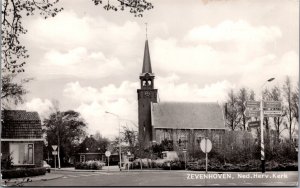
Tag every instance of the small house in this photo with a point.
(21, 138)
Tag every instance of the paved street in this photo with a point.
(169, 178)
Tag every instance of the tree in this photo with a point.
(14, 52)
(65, 129)
(136, 7)
(275, 95)
(295, 103)
(11, 90)
(288, 108)
(242, 97)
(232, 111)
(101, 141)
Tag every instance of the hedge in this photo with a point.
(89, 165)
(251, 166)
(23, 172)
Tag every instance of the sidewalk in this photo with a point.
(18, 181)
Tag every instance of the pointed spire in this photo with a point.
(147, 61)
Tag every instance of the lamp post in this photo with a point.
(120, 165)
(262, 144)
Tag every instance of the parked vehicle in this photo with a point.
(48, 167)
(170, 155)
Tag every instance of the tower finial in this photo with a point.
(146, 30)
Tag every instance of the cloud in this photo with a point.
(230, 31)
(95, 102)
(78, 62)
(172, 89)
(43, 107)
(68, 29)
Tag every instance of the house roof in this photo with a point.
(20, 115)
(19, 124)
(183, 115)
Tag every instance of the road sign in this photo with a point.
(54, 147)
(54, 152)
(206, 145)
(272, 113)
(272, 104)
(252, 104)
(107, 153)
(254, 124)
(252, 113)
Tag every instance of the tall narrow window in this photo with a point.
(30, 153)
(82, 158)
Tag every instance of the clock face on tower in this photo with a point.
(147, 93)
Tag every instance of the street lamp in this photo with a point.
(262, 144)
(119, 136)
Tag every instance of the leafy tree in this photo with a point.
(65, 129)
(91, 144)
(12, 91)
(136, 7)
(14, 52)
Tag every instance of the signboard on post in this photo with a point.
(272, 113)
(107, 154)
(252, 113)
(254, 124)
(252, 104)
(206, 147)
(272, 104)
(54, 147)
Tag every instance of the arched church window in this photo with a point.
(144, 82)
(149, 83)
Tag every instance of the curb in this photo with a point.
(32, 180)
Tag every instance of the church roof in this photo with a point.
(146, 62)
(183, 115)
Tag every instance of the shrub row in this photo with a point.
(90, 165)
(215, 165)
(23, 172)
(251, 166)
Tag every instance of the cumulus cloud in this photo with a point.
(171, 88)
(230, 31)
(78, 62)
(68, 29)
(43, 107)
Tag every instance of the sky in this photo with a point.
(90, 59)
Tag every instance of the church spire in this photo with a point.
(146, 62)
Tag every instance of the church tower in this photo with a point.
(146, 95)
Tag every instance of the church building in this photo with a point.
(184, 123)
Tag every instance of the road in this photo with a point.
(170, 178)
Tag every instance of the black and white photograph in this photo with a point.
(149, 93)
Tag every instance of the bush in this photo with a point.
(6, 163)
(23, 172)
(90, 165)
(173, 165)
